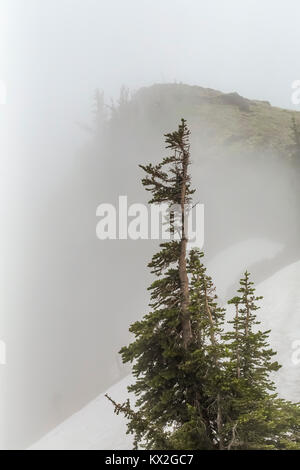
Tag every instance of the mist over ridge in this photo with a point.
(68, 298)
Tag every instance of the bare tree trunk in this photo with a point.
(185, 316)
(184, 282)
(231, 443)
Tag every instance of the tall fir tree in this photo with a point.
(164, 335)
(177, 351)
(169, 182)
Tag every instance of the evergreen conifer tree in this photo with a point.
(256, 418)
(164, 335)
(176, 352)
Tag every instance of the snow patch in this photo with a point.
(94, 427)
(232, 262)
(280, 312)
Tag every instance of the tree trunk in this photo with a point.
(184, 282)
(185, 316)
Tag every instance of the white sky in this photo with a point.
(54, 53)
(63, 49)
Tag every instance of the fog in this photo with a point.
(66, 298)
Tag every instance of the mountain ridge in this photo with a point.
(233, 117)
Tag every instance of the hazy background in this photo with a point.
(62, 306)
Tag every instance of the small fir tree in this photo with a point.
(256, 418)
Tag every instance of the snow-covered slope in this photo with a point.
(280, 312)
(96, 427)
(227, 266)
